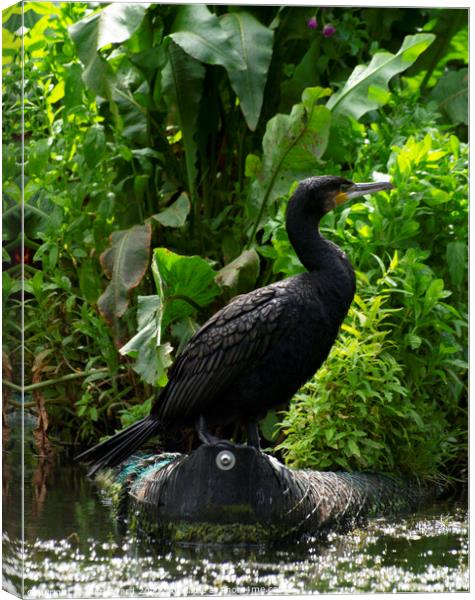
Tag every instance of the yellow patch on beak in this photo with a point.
(340, 198)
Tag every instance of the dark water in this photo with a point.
(73, 550)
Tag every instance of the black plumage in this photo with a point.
(258, 350)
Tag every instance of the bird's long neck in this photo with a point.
(314, 251)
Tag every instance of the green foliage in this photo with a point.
(353, 410)
(367, 87)
(185, 129)
(380, 401)
(151, 356)
(125, 263)
(112, 25)
(425, 245)
(254, 44)
(291, 146)
(240, 274)
(451, 95)
(184, 285)
(185, 282)
(134, 413)
(199, 33)
(182, 83)
(175, 215)
(60, 324)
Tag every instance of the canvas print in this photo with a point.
(235, 300)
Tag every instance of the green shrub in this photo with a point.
(383, 400)
(420, 232)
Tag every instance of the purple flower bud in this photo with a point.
(328, 30)
(312, 23)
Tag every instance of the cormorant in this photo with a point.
(257, 351)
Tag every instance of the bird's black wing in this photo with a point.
(227, 344)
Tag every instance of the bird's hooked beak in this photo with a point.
(360, 189)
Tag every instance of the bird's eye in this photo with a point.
(344, 187)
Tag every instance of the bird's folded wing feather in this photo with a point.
(226, 345)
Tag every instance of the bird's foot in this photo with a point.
(253, 439)
(204, 435)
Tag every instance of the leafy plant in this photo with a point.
(354, 410)
(185, 129)
(125, 263)
(378, 403)
(427, 352)
(184, 285)
(367, 87)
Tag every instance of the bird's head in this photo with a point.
(319, 195)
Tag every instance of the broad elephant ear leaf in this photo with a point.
(253, 42)
(186, 283)
(125, 263)
(367, 87)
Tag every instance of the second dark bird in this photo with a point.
(257, 351)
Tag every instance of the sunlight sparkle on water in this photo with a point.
(414, 554)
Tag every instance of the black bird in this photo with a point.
(257, 351)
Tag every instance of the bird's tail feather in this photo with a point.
(117, 448)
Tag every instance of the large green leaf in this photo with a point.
(367, 87)
(200, 34)
(292, 146)
(182, 84)
(253, 42)
(112, 25)
(13, 20)
(152, 358)
(184, 284)
(187, 283)
(125, 263)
